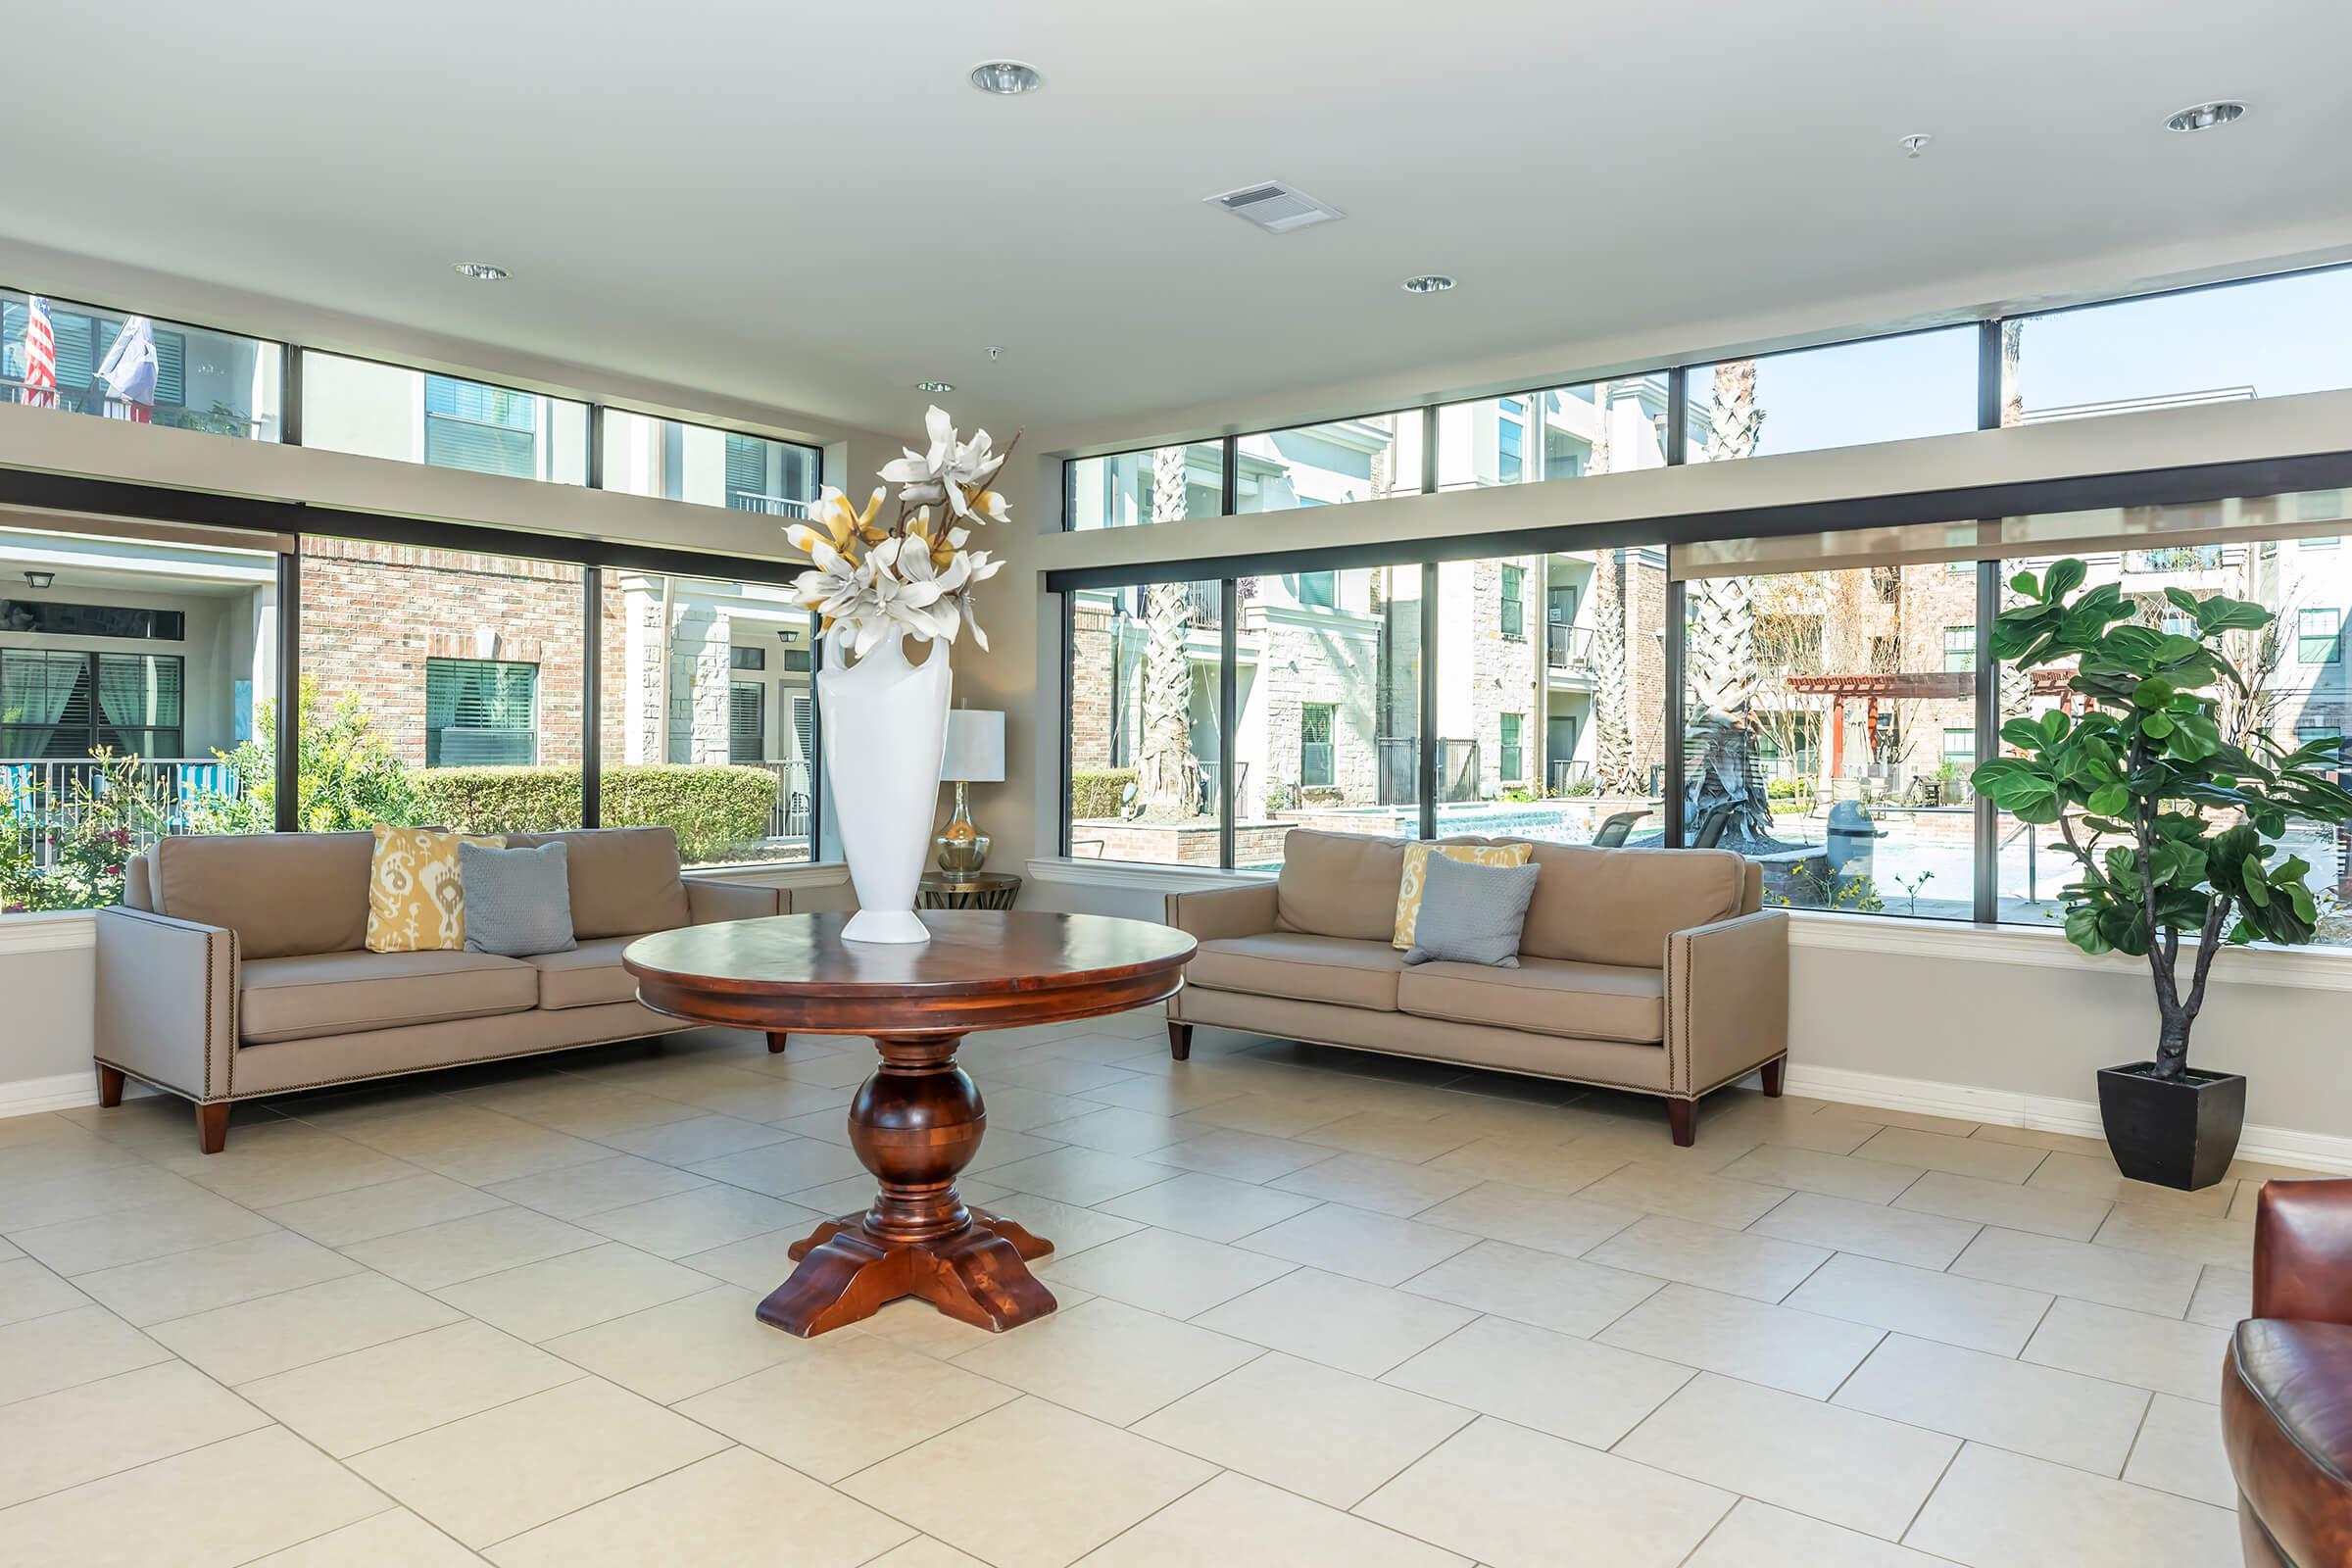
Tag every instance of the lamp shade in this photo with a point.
(975, 753)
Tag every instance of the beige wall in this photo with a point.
(45, 1019)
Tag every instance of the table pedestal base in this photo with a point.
(914, 1124)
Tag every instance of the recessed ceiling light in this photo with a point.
(1428, 283)
(935, 386)
(2206, 117)
(1915, 143)
(1007, 79)
(479, 272)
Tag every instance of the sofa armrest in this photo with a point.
(165, 1007)
(708, 898)
(2303, 1252)
(1727, 1000)
(1241, 911)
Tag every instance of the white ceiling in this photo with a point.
(803, 204)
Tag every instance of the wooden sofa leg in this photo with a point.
(110, 1084)
(776, 1039)
(1775, 1073)
(1180, 1039)
(212, 1127)
(1683, 1116)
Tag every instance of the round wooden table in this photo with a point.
(918, 1120)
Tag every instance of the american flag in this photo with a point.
(40, 357)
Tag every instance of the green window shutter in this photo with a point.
(172, 368)
(480, 713)
(746, 722)
(747, 465)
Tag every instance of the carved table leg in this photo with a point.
(915, 1123)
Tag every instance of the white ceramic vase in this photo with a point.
(886, 726)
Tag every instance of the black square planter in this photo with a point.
(2174, 1132)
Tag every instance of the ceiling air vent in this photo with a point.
(1276, 209)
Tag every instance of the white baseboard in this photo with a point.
(64, 1090)
(2277, 1146)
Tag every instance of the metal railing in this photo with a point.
(50, 793)
(1560, 771)
(1567, 647)
(766, 506)
(791, 814)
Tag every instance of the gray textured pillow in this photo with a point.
(1470, 913)
(517, 901)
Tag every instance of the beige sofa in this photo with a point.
(238, 967)
(1650, 970)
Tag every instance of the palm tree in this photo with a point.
(1613, 768)
(1719, 741)
(1167, 778)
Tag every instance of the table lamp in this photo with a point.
(974, 755)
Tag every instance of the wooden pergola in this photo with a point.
(1908, 686)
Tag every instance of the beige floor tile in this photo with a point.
(307, 1165)
(2096, 1176)
(1271, 1115)
(1103, 1358)
(757, 1264)
(2035, 1138)
(2223, 1297)
(1411, 1139)
(1570, 1388)
(1211, 1207)
(1242, 1157)
(44, 1355)
(1808, 1170)
(1359, 1328)
(559, 1294)
(272, 1333)
(363, 1213)
(734, 1507)
(1544, 1288)
(779, 1170)
(1016, 1108)
(612, 1182)
(28, 1289)
(1924, 1303)
(2043, 1210)
(1533, 1160)
(1164, 1272)
(134, 1235)
(1363, 1245)
(1308, 1428)
(1756, 1534)
(1049, 1074)
(1773, 1346)
(1869, 1230)
(1110, 1129)
(2227, 1241)
(1995, 1509)
(1960, 1156)
(1509, 1498)
(850, 1402)
(1528, 1217)
(1760, 1266)
(1030, 1485)
(1069, 1229)
(2058, 1416)
(913, 1324)
(703, 1218)
(9, 1250)
(1841, 1465)
(55, 1440)
(680, 1348)
(381, 1541)
(1657, 1188)
(75, 1154)
(1078, 1176)
(697, 1138)
(1823, 1134)
(1914, 1121)
(2180, 1450)
(506, 1470)
(2111, 1275)
(1383, 1186)
(2133, 1348)
(218, 1275)
(1164, 1094)
(1234, 1513)
(456, 1250)
(353, 1402)
(194, 1509)
(1644, 1137)
(31, 1205)
(925, 1553)
(509, 1154)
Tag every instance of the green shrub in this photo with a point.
(717, 812)
(500, 799)
(1099, 792)
(348, 777)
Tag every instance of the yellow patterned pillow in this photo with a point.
(1416, 864)
(415, 902)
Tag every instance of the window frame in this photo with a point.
(2329, 644)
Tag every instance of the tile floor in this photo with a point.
(1318, 1309)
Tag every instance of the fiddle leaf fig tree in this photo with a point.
(2173, 824)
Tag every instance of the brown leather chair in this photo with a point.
(2287, 1382)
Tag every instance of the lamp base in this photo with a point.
(962, 847)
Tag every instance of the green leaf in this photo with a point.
(2156, 726)
(2064, 578)
(2182, 599)
(2026, 585)
(2255, 889)
(2108, 799)
(2024, 734)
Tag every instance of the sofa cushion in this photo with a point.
(1297, 964)
(303, 997)
(517, 901)
(2287, 1427)
(1544, 996)
(415, 895)
(1471, 911)
(1338, 885)
(1413, 876)
(281, 893)
(586, 976)
(624, 880)
(1618, 906)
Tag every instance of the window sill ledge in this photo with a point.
(47, 931)
(822, 874)
(1138, 876)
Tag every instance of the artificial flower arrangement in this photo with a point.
(913, 578)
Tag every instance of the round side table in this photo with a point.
(981, 889)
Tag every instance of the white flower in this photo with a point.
(947, 469)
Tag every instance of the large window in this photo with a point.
(84, 359)
(646, 456)
(1563, 432)
(55, 703)
(1166, 485)
(1145, 755)
(1327, 464)
(388, 411)
(1880, 389)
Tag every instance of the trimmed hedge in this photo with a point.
(715, 810)
(1099, 792)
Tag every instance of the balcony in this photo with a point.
(1567, 648)
(766, 506)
